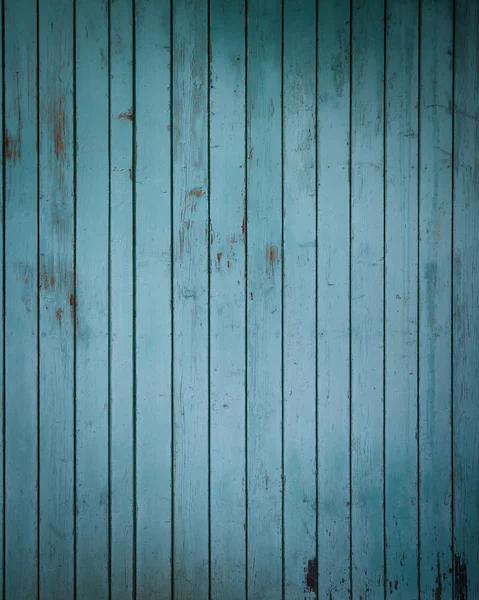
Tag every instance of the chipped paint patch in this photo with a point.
(312, 575)
(128, 115)
(460, 579)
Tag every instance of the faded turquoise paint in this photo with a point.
(239, 300)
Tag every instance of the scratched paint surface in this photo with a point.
(239, 295)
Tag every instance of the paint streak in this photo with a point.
(312, 575)
(128, 115)
(438, 590)
(233, 239)
(460, 578)
(72, 303)
(59, 128)
(59, 315)
(182, 241)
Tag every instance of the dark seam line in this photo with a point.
(109, 317)
(350, 154)
(418, 321)
(37, 66)
(246, 288)
(316, 387)
(134, 333)
(385, 566)
(283, 582)
(208, 252)
(172, 322)
(74, 308)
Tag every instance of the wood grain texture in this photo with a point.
(57, 299)
(227, 299)
(153, 238)
(121, 283)
(299, 298)
(435, 230)
(367, 289)
(239, 299)
(264, 300)
(21, 301)
(465, 301)
(91, 248)
(401, 297)
(333, 298)
(190, 300)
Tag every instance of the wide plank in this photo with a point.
(21, 300)
(227, 121)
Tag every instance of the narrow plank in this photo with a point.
(2, 329)
(264, 298)
(435, 212)
(227, 299)
(21, 301)
(190, 297)
(299, 300)
(401, 297)
(56, 300)
(121, 300)
(466, 300)
(153, 306)
(367, 310)
(92, 491)
(333, 219)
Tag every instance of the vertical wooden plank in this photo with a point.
(153, 315)
(92, 493)
(466, 300)
(299, 332)
(190, 296)
(401, 296)
(264, 298)
(121, 299)
(21, 277)
(367, 290)
(333, 254)
(227, 299)
(2, 313)
(435, 214)
(56, 299)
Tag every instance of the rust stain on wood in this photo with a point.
(59, 128)
(312, 575)
(73, 304)
(218, 257)
(13, 148)
(197, 192)
(243, 226)
(58, 314)
(272, 254)
(131, 174)
(128, 115)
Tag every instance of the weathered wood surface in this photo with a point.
(240, 326)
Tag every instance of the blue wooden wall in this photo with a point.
(240, 300)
